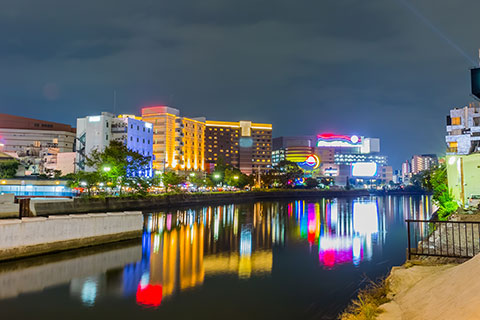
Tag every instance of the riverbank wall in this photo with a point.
(156, 202)
(39, 235)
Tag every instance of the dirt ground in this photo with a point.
(426, 292)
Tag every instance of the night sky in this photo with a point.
(382, 68)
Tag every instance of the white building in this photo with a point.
(19, 133)
(96, 133)
(463, 130)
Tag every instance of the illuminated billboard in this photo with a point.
(364, 169)
(334, 140)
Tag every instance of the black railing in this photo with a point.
(456, 239)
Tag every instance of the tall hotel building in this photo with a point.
(178, 142)
(244, 145)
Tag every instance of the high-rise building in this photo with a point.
(96, 133)
(423, 162)
(463, 130)
(244, 145)
(406, 168)
(178, 142)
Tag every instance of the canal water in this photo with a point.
(264, 260)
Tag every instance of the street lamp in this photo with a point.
(107, 169)
(192, 174)
(216, 176)
(235, 177)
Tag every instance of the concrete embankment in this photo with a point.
(39, 273)
(434, 292)
(39, 235)
(80, 205)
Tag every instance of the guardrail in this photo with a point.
(455, 239)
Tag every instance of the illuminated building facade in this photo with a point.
(294, 149)
(178, 142)
(244, 145)
(355, 158)
(96, 133)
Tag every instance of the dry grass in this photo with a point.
(366, 305)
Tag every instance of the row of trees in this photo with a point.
(117, 169)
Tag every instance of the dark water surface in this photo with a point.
(264, 260)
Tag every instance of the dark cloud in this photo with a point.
(367, 67)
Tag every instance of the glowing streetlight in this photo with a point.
(192, 174)
(235, 177)
(216, 176)
(107, 169)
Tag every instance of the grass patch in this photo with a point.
(367, 304)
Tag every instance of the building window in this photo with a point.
(106, 138)
(456, 121)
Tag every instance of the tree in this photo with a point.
(119, 166)
(8, 169)
(84, 179)
(282, 175)
(172, 180)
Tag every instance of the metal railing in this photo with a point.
(456, 239)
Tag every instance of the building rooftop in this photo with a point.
(8, 121)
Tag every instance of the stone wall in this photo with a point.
(31, 236)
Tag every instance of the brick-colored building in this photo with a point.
(244, 145)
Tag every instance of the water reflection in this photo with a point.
(182, 248)
(288, 244)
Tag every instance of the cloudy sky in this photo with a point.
(384, 68)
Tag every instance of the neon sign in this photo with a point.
(334, 140)
(312, 162)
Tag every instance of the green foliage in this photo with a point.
(225, 174)
(282, 175)
(118, 166)
(435, 180)
(172, 180)
(84, 179)
(8, 169)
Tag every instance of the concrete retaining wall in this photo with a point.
(80, 205)
(31, 236)
(7, 206)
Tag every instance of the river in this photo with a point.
(265, 260)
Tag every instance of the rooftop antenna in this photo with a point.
(115, 101)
